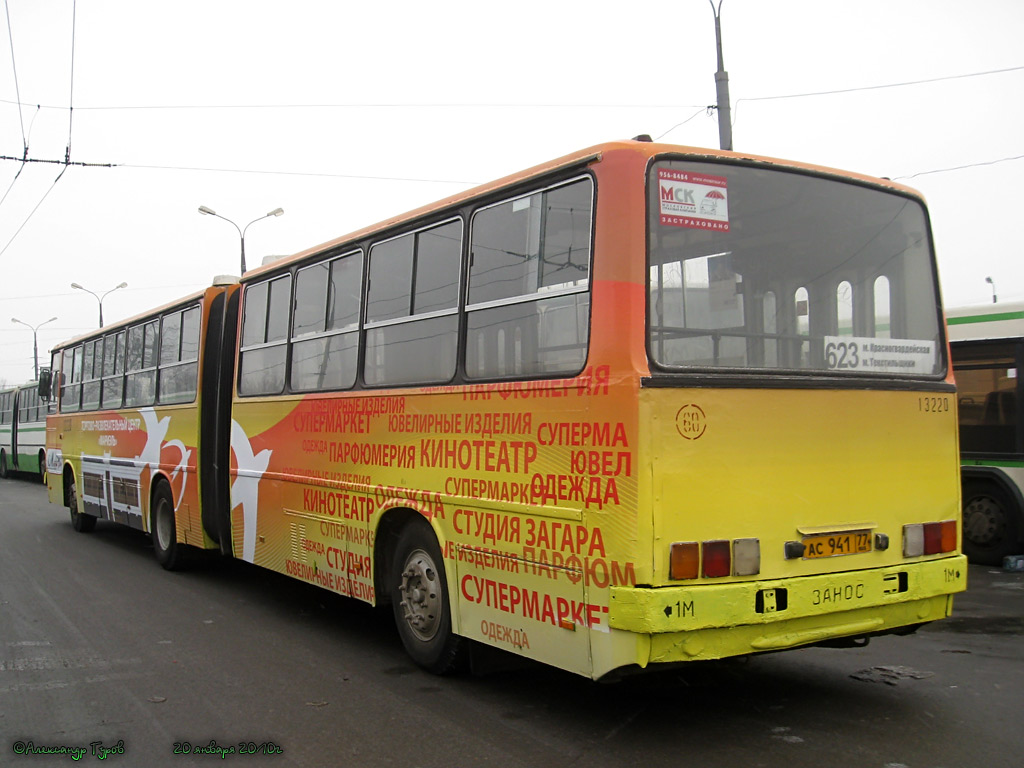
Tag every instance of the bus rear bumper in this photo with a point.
(711, 621)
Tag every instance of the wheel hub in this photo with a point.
(421, 595)
(983, 520)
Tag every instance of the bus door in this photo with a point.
(15, 405)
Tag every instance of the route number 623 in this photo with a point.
(842, 355)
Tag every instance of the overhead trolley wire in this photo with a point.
(17, 91)
(67, 152)
(960, 167)
(14, 65)
(878, 87)
(706, 110)
(368, 105)
(289, 173)
(884, 85)
(32, 213)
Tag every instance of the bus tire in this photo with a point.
(3, 464)
(170, 553)
(80, 521)
(419, 598)
(991, 523)
(42, 467)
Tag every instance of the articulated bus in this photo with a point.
(23, 431)
(988, 352)
(642, 404)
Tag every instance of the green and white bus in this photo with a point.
(23, 431)
(988, 355)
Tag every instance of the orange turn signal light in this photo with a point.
(684, 560)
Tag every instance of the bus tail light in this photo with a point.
(684, 560)
(929, 538)
(940, 537)
(746, 555)
(714, 559)
(717, 559)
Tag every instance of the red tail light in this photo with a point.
(717, 560)
(714, 559)
(929, 538)
(939, 537)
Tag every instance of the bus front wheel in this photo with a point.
(419, 598)
(990, 523)
(170, 553)
(80, 521)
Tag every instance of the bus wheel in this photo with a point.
(80, 521)
(170, 553)
(42, 467)
(990, 523)
(3, 464)
(419, 597)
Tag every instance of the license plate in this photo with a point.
(835, 544)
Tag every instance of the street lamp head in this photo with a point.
(276, 212)
(207, 211)
(76, 285)
(988, 280)
(15, 320)
(122, 285)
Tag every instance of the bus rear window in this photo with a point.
(758, 268)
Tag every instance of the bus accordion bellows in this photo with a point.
(987, 344)
(642, 404)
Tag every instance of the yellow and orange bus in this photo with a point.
(642, 404)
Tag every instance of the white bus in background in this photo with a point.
(22, 431)
(988, 356)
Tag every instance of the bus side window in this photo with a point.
(881, 301)
(178, 376)
(113, 371)
(264, 349)
(528, 302)
(325, 324)
(91, 370)
(412, 307)
(71, 370)
(140, 378)
(986, 380)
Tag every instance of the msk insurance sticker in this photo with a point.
(694, 200)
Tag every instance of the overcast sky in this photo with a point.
(346, 113)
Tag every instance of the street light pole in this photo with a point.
(990, 282)
(100, 297)
(241, 231)
(35, 343)
(722, 85)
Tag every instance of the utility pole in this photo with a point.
(722, 85)
(35, 343)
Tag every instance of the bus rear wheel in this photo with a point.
(170, 553)
(990, 523)
(80, 521)
(419, 598)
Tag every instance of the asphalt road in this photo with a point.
(100, 649)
